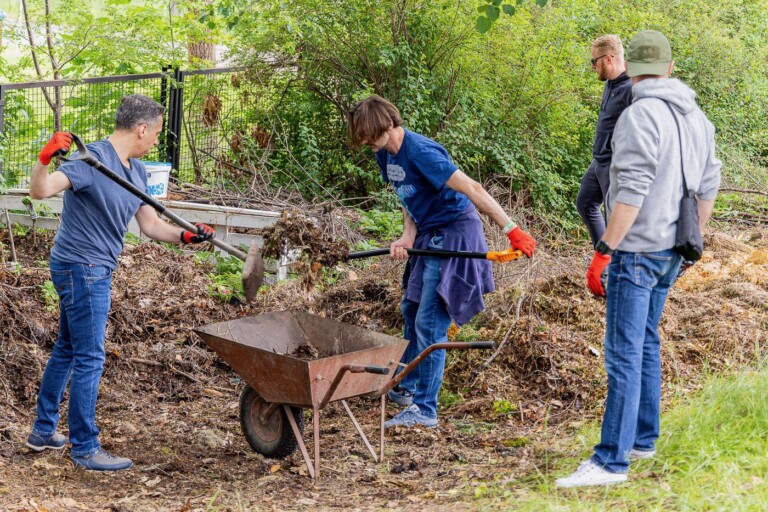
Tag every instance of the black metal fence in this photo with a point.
(204, 108)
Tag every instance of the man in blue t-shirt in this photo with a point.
(93, 223)
(440, 205)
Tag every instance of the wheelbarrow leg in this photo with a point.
(300, 440)
(381, 427)
(316, 437)
(360, 431)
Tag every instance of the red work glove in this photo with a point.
(58, 145)
(522, 241)
(595, 271)
(204, 232)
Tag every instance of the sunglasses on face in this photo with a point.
(594, 61)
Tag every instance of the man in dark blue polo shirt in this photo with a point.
(93, 223)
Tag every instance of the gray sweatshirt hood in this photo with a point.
(672, 90)
(646, 165)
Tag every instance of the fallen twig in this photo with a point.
(476, 372)
(743, 191)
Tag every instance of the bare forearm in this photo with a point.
(480, 197)
(156, 228)
(409, 227)
(622, 218)
(705, 212)
(163, 232)
(484, 202)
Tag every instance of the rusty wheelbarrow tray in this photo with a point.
(351, 361)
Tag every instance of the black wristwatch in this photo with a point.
(603, 248)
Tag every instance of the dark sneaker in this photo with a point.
(411, 417)
(39, 443)
(101, 461)
(401, 397)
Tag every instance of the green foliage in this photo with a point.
(504, 407)
(131, 239)
(466, 333)
(491, 9)
(447, 398)
(50, 296)
(516, 110)
(383, 225)
(19, 230)
(711, 456)
(227, 278)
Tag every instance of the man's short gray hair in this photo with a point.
(136, 109)
(609, 43)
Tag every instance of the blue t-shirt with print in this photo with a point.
(96, 209)
(418, 172)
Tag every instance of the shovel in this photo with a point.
(253, 269)
(500, 256)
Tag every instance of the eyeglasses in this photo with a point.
(594, 61)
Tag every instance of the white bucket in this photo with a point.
(157, 178)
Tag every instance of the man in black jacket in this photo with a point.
(608, 62)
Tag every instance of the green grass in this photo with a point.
(712, 455)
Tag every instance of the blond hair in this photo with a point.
(609, 44)
(368, 119)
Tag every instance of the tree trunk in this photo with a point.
(202, 51)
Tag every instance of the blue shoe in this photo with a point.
(411, 417)
(39, 443)
(400, 396)
(101, 461)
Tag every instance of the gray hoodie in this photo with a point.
(645, 170)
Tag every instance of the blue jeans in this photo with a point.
(594, 185)
(78, 354)
(426, 323)
(638, 284)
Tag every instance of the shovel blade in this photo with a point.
(253, 272)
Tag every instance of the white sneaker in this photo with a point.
(641, 454)
(590, 473)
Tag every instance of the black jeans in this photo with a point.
(594, 186)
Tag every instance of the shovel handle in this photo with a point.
(87, 157)
(500, 256)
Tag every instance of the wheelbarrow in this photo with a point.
(351, 362)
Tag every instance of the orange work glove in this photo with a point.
(58, 145)
(204, 232)
(595, 271)
(522, 241)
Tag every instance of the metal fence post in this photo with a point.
(163, 146)
(175, 116)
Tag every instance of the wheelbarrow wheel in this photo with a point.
(273, 438)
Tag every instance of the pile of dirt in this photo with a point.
(171, 404)
(304, 241)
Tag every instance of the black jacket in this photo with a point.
(617, 96)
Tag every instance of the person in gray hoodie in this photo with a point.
(662, 135)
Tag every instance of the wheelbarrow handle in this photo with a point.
(351, 368)
(486, 345)
(419, 358)
(502, 256)
(86, 156)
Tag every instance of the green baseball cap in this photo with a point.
(648, 53)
